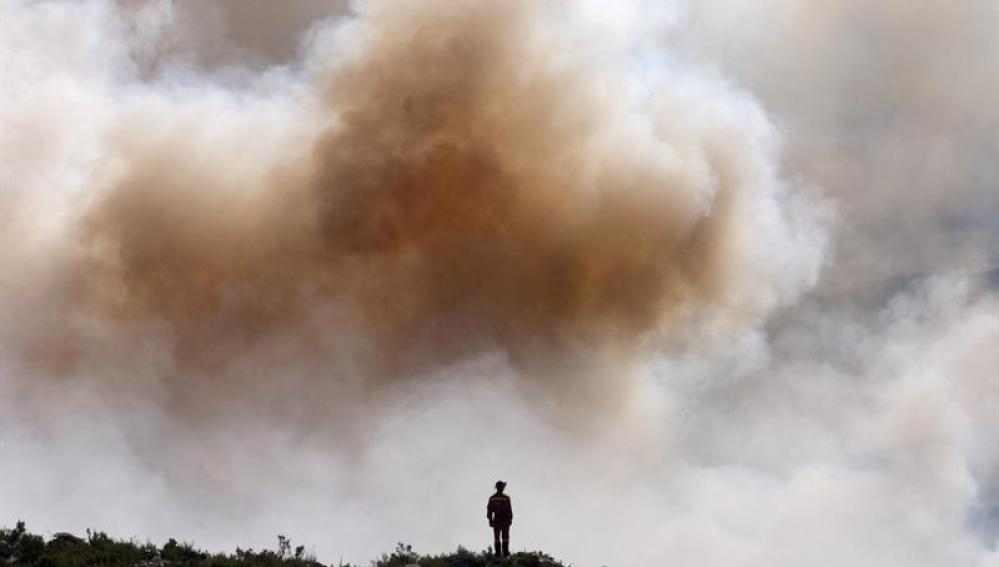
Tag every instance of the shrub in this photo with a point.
(18, 547)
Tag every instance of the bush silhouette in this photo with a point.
(19, 547)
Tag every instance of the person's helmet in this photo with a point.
(500, 485)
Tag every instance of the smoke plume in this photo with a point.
(475, 190)
(328, 271)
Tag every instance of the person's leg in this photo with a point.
(506, 540)
(497, 545)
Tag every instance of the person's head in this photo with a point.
(500, 485)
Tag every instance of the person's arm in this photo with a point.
(509, 503)
(489, 512)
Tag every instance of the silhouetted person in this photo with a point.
(500, 515)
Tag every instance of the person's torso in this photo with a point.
(499, 504)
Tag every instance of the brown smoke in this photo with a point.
(470, 188)
(266, 272)
(441, 181)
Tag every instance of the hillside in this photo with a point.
(20, 547)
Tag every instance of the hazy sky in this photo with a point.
(701, 281)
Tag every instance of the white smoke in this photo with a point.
(887, 106)
(715, 417)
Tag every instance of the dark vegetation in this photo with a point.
(20, 547)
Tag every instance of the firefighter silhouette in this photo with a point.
(500, 515)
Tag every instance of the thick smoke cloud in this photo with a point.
(470, 191)
(328, 274)
(887, 107)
